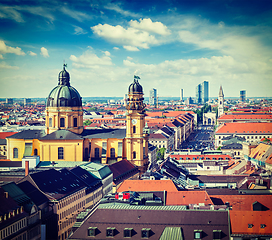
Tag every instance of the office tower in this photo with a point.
(220, 102)
(9, 101)
(202, 93)
(181, 94)
(243, 95)
(153, 96)
(27, 101)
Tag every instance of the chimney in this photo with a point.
(26, 168)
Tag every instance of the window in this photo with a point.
(197, 234)
(134, 129)
(112, 152)
(35, 152)
(134, 155)
(96, 153)
(92, 231)
(75, 122)
(250, 225)
(128, 232)
(110, 232)
(62, 122)
(145, 233)
(50, 122)
(217, 234)
(60, 153)
(263, 225)
(15, 152)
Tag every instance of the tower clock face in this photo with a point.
(134, 121)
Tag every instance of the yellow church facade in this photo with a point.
(65, 139)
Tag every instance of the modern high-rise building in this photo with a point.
(181, 94)
(153, 96)
(243, 95)
(9, 101)
(202, 93)
(27, 101)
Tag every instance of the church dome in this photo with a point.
(64, 95)
(135, 87)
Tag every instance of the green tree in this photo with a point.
(87, 122)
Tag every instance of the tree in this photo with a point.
(160, 153)
(87, 123)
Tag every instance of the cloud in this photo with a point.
(79, 16)
(131, 48)
(90, 60)
(44, 52)
(79, 30)
(32, 53)
(6, 66)
(13, 12)
(116, 8)
(7, 49)
(146, 24)
(127, 37)
(116, 48)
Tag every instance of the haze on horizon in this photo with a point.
(170, 44)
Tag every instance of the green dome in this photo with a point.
(64, 95)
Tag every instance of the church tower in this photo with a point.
(220, 102)
(64, 107)
(136, 138)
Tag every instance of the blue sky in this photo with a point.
(169, 44)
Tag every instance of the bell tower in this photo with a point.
(220, 102)
(136, 139)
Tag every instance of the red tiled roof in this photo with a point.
(147, 186)
(3, 135)
(248, 128)
(244, 202)
(188, 197)
(246, 116)
(240, 220)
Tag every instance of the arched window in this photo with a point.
(60, 153)
(35, 152)
(15, 152)
(62, 122)
(134, 155)
(112, 152)
(134, 129)
(75, 122)
(96, 153)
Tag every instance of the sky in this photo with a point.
(169, 44)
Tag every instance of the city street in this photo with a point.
(201, 139)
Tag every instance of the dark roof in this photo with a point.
(219, 178)
(135, 87)
(155, 218)
(122, 170)
(62, 135)
(15, 164)
(29, 134)
(233, 146)
(88, 178)
(32, 192)
(55, 184)
(234, 136)
(104, 133)
(3, 141)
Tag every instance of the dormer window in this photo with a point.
(217, 234)
(92, 231)
(110, 232)
(250, 225)
(263, 225)
(128, 232)
(145, 232)
(197, 234)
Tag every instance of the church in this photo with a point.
(65, 138)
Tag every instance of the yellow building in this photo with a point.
(64, 138)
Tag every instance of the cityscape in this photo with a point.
(135, 120)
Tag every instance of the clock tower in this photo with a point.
(136, 139)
